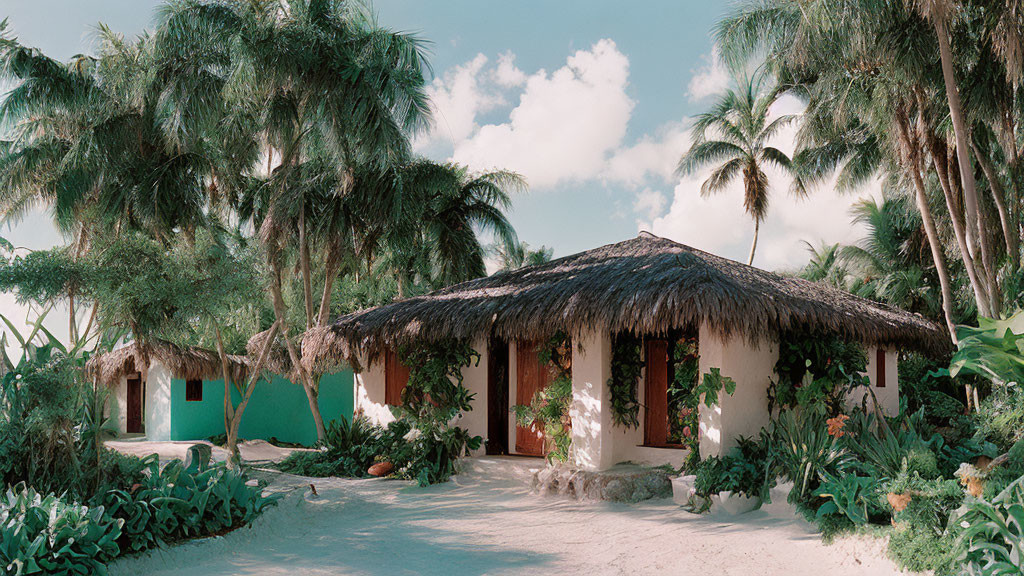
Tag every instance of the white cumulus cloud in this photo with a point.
(718, 223)
(710, 79)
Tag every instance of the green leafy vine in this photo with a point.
(549, 409)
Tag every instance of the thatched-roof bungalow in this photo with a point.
(648, 286)
(169, 392)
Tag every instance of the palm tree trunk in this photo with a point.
(936, 247)
(959, 232)
(753, 245)
(304, 377)
(307, 282)
(938, 154)
(232, 415)
(999, 197)
(911, 163)
(959, 127)
(330, 272)
(975, 226)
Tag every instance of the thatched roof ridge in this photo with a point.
(648, 285)
(189, 363)
(278, 361)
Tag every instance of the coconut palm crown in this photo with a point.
(734, 136)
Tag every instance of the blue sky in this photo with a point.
(589, 100)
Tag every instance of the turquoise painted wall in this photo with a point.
(278, 409)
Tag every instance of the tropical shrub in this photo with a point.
(992, 350)
(686, 389)
(1000, 416)
(627, 366)
(175, 503)
(744, 470)
(433, 398)
(46, 534)
(849, 495)
(804, 452)
(993, 533)
(922, 538)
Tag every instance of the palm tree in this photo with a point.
(318, 81)
(824, 265)
(443, 208)
(735, 136)
(889, 262)
(520, 255)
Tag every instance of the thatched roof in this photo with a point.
(184, 363)
(647, 285)
(278, 361)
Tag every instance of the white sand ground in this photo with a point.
(486, 521)
(251, 450)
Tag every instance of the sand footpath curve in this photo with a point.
(486, 523)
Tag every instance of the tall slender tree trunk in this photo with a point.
(935, 245)
(307, 382)
(911, 161)
(330, 273)
(960, 129)
(960, 234)
(307, 281)
(938, 153)
(999, 198)
(976, 232)
(232, 415)
(753, 245)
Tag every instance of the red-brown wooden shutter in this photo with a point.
(656, 394)
(396, 376)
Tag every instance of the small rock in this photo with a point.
(381, 469)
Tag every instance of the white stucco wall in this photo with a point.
(369, 392)
(744, 413)
(117, 402)
(592, 434)
(158, 403)
(889, 396)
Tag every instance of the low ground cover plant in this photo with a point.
(71, 505)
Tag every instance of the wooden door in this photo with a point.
(133, 423)
(656, 394)
(497, 396)
(396, 376)
(531, 377)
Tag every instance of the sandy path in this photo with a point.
(250, 450)
(479, 525)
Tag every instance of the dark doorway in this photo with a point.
(135, 405)
(497, 396)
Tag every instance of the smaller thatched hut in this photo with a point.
(648, 286)
(170, 392)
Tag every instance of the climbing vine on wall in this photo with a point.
(683, 393)
(816, 370)
(435, 394)
(549, 409)
(627, 366)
